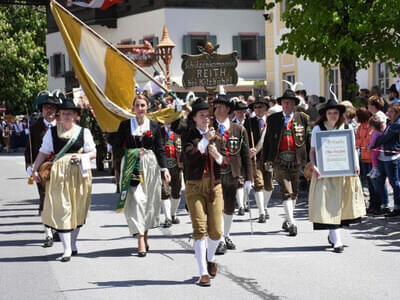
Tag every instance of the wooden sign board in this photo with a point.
(209, 70)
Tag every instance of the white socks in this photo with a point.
(288, 206)
(211, 248)
(200, 251)
(74, 237)
(267, 197)
(48, 232)
(260, 201)
(334, 236)
(240, 197)
(65, 238)
(227, 224)
(174, 205)
(166, 205)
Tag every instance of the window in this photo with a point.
(291, 77)
(332, 77)
(249, 47)
(192, 42)
(382, 77)
(57, 65)
(153, 40)
(126, 42)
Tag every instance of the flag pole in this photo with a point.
(113, 47)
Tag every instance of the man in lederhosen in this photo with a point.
(48, 105)
(256, 129)
(234, 149)
(171, 193)
(285, 151)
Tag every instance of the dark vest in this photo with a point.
(59, 143)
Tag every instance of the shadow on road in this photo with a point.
(289, 249)
(385, 230)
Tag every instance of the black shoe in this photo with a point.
(48, 242)
(142, 254)
(329, 241)
(378, 212)
(247, 208)
(74, 253)
(241, 211)
(167, 223)
(229, 244)
(386, 211)
(175, 220)
(339, 249)
(221, 249)
(261, 218)
(285, 226)
(56, 236)
(292, 230)
(266, 213)
(394, 213)
(64, 258)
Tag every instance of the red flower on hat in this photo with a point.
(148, 134)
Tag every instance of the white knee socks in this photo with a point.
(74, 237)
(288, 206)
(260, 201)
(48, 232)
(227, 224)
(240, 197)
(174, 205)
(65, 238)
(211, 248)
(166, 206)
(200, 251)
(334, 236)
(267, 197)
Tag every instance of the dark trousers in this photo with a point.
(229, 187)
(365, 168)
(172, 189)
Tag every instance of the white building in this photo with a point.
(234, 26)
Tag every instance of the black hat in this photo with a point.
(239, 105)
(46, 97)
(289, 94)
(68, 104)
(198, 105)
(223, 99)
(259, 100)
(332, 104)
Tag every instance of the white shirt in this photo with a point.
(50, 124)
(137, 129)
(202, 146)
(88, 142)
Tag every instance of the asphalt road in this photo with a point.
(266, 265)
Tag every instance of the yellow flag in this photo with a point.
(106, 76)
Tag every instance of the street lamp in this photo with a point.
(165, 51)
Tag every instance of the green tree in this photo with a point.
(23, 62)
(345, 33)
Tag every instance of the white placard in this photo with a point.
(335, 156)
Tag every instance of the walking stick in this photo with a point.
(30, 179)
(254, 167)
(251, 218)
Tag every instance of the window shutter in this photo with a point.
(237, 46)
(212, 39)
(261, 47)
(141, 42)
(187, 44)
(52, 67)
(62, 65)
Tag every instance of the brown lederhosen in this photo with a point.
(172, 189)
(229, 187)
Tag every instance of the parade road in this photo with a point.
(266, 265)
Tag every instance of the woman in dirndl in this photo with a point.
(144, 160)
(68, 191)
(334, 202)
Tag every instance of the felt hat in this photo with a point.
(288, 94)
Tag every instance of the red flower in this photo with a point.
(148, 134)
